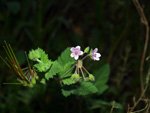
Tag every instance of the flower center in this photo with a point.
(76, 52)
(95, 55)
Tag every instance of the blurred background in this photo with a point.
(114, 27)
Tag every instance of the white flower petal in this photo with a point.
(81, 52)
(78, 47)
(76, 57)
(72, 55)
(72, 49)
(97, 58)
(98, 54)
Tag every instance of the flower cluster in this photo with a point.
(75, 53)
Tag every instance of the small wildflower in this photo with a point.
(96, 55)
(76, 52)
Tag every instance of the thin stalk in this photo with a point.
(20, 70)
(7, 54)
(85, 70)
(68, 70)
(82, 73)
(14, 69)
(14, 83)
(5, 62)
(145, 22)
(29, 65)
(24, 68)
(78, 72)
(85, 56)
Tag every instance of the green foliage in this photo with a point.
(99, 103)
(61, 66)
(55, 68)
(43, 81)
(85, 88)
(42, 58)
(65, 57)
(102, 76)
(68, 81)
(34, 55)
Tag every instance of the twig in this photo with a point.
(145, 22)
(143, 93)
(112, 108)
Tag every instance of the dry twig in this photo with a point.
(145, 22)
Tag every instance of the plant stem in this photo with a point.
(85, 56)
(145, 22)
(82, 73)
(39, 61)
(68, 70)
(85, 70)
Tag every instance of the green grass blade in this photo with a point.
(29, 65)
(14, 83)
(5, 62)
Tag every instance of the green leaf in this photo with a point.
(68, 81)
(34, 55)
(66, 92)
(99, 103)
(56, 67)
(101, 78)
(65, 57)
(84, 89)
(61, 66)
(66, 62)
(44, 56)
(66, 68)
(43, 67)
(43, 63)
(43, 81)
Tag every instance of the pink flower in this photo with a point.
(76, 52)
(96, 55)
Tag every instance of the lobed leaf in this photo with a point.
(101, 78)
(84, 89)
(53, 70)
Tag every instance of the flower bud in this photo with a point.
(75, 76)
(91, 77)
(86, 50)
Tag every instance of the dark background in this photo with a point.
(113, 26)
